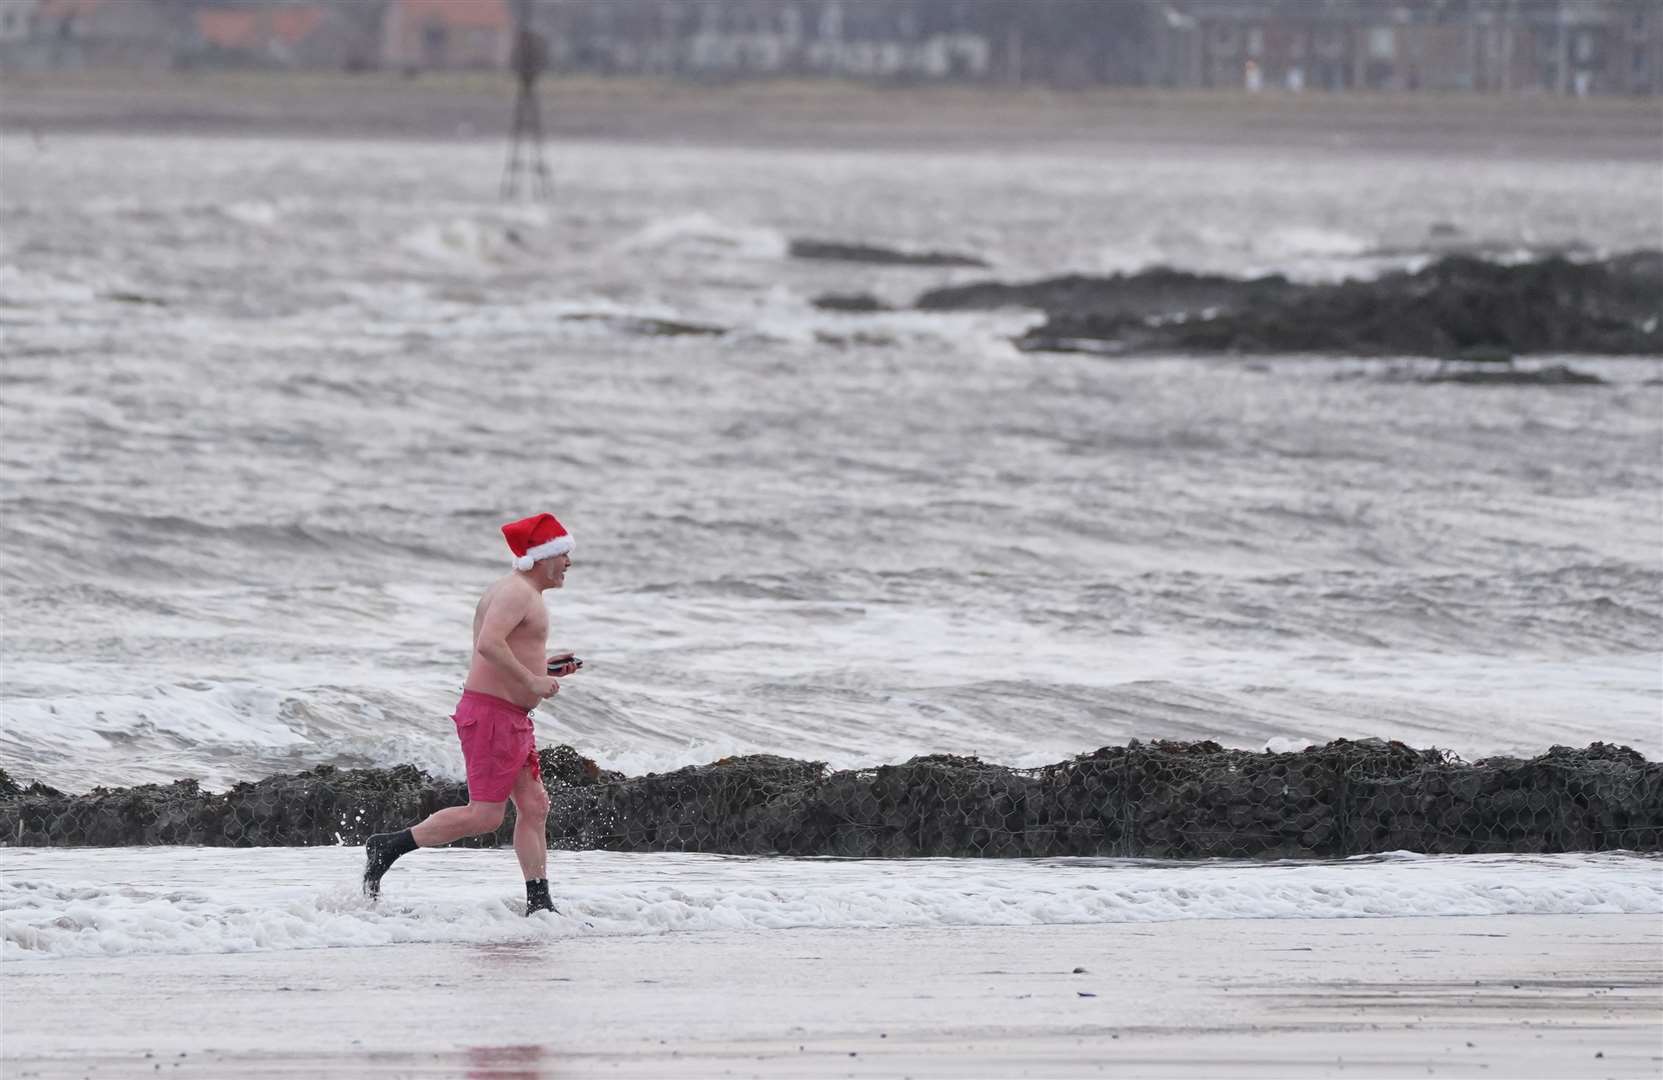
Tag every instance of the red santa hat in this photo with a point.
(536, 537)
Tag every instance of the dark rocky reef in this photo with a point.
(857, 340)
(878, 256)
(1154, 293)
(1457, 306)
(1162, 800)
(853, 303)
(1508, 375)
(646, 325)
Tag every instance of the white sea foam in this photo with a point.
(256, 212)
(60, 903)
(703, 234)
(1300, 241)
(20, 287)
(462, 239)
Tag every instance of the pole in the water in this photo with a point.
(525, 146)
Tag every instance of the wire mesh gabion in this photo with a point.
(1157, 800)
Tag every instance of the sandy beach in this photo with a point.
(267, 962)
(1518, 996)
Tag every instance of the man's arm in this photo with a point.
(508, 609)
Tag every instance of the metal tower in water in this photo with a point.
(525, 145)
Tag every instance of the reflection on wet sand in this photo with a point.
(522, 1062)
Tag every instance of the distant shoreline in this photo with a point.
(795, 113)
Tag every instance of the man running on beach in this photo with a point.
(509, 676)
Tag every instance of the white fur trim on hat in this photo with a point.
(560, 545)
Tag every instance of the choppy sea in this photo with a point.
(266, 402)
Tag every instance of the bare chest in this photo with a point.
(535, 625)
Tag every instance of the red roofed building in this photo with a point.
(418, 35)
(291, 36)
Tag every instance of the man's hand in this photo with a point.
(545, 686)
(562, 665)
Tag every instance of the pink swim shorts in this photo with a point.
(497, 742)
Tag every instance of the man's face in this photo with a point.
(554, 570)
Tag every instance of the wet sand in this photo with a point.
(1515, 996)
(827, 113)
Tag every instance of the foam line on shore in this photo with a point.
(111, 902)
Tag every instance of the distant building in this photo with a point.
(289, 35)
(1575, 47)
(1569, 47)
(1637, 57)
(87, 33)
(736, 38)
(17, 20)
(444, 35)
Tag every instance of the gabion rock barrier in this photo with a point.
(1158, 800)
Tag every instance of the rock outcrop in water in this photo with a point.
(646, 325)
(853, 303)
(1158, 292)
(1508, 375)
(1454, 307)
(878, 256)
(1164, 800)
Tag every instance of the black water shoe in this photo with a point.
(380, 852)
(537, 897)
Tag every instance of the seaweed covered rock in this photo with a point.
(697, 808)
(320, 806)
(563, 765)
(333, 806)
(853, 303)
(1459, 306)
(1161, 800)
(647, 325)
(934, 805)
(1497, 374)
(873, 255)
(1158, 291)
(1564, 800)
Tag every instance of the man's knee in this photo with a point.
(532, 801)
(487, 816)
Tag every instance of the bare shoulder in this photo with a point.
(506, 595)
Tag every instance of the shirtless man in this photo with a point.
(510, 674)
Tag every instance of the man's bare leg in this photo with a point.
(531, 838)
(455, 822)
(439, 827)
